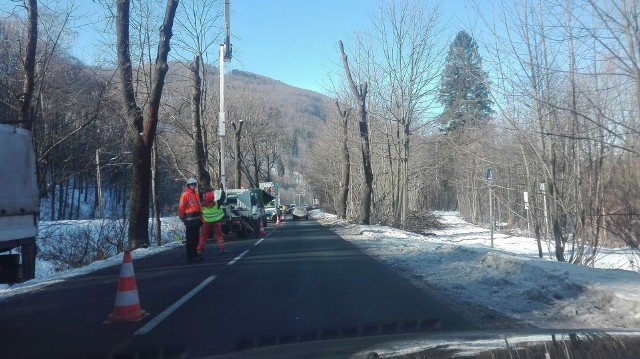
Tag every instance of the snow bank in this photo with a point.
(460, 265)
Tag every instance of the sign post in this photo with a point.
(489, 177)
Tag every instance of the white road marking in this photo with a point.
(167, 312)
(238, 258)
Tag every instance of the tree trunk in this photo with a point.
(360, 94)
(256, 170)
(341, 207)
(405, 175)
(99, 200)
(237, 136)
(155, 194)
(204, 178)
(29, 62)
(142, 135)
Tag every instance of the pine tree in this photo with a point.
(464, 87)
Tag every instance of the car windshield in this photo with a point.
(392, 178)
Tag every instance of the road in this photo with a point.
(300, 282)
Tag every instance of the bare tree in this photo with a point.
(204, 178)
(237, 138)
(613, 29)
(410, 64)
(25, 115)
(142, 135)
(197, 33)
(359, 93)
(341, 205)
(29, 65)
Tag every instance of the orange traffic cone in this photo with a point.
(277, 219)
(261, 231)
(127, 307)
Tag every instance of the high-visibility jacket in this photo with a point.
(189, 209)
(213, 213)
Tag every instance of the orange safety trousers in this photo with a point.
(206, 229)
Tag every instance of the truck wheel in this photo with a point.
(28, 266)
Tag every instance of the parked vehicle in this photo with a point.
(19, 205)
(271, 208)
(299, 213)
(271, 212)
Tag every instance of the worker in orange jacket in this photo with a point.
(190, 212)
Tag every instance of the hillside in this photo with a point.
(294, 101)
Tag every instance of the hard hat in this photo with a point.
(208, 197)
(192, 181)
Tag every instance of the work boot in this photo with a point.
(222, 251)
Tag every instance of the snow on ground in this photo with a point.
(509, 279)
(459, 264)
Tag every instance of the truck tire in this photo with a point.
(28, 266)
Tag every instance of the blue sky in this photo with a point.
(293, 41)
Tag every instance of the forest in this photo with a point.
(543, 95)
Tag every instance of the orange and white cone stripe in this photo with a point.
(127, 307)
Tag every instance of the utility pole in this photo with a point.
(225, 56)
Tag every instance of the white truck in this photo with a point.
(244, 211)
(19, 205)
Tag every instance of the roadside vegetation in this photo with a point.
(544, 94)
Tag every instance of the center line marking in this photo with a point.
(245, 252)
(167, 312)
(238, 258)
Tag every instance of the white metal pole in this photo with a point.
(489, 177)
(491, 212)
(221, 124)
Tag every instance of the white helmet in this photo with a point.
(191, 181)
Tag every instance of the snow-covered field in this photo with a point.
(458, 263)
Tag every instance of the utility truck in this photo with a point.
(244, 211)
(19, 205)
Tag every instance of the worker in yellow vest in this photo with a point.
(211, 216)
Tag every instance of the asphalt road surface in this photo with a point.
(300, 282)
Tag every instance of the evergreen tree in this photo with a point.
(464, 86)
